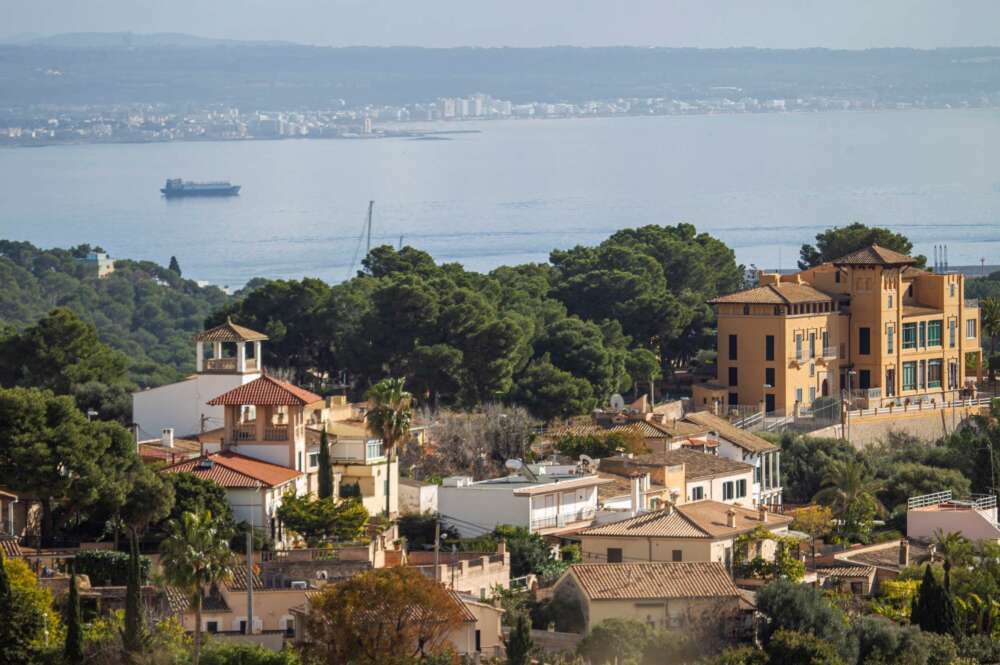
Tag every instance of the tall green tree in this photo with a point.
(174, 266)
(73, 649)
(951, 549)
(322, 520)
(132, 636)
(989, 312)
(840, 241)
(325, 489)
(934, 607)
(519, 643)
(195, 555)
(389, 417)
(549, 392)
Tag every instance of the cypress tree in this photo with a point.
(73, 651)
(175, 265)
(519, 644)
(933, 608)
(325, 489)
(132, 638)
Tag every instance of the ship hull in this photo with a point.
(185, 193)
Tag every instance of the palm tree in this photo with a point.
(989, 310)
(196, 555)
(389, 417)
(952, 549)
(849, 489)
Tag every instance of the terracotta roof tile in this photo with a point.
(10, 547)
(697, 465)
(874, 255)
(229, 332)
(697, 519)
(644, 580)
(266, 391)
(233, 470)
(782, 293)
(738, 437)
(710, 517)
(846, 571)
(661, 524)
(238, 582)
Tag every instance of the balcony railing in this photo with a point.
(564, 518)
(830, 352)
(276, 433)
(244, 432)
(221, 364)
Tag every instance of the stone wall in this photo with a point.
(926, 425)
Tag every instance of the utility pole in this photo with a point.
(368, 246)
(437, 549)
(401, 241)
(249, 624)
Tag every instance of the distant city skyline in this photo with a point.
(848, 24)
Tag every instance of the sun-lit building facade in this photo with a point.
(869, 326)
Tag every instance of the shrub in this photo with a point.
(107, 568)
(614, 640)
(221, 653)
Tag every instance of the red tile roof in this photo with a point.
(654, 581)
(874, 255)
(782, 293)
(233, 470)
(229, 332)
(266, 391)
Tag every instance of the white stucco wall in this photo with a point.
(483, 508)
(180, 405)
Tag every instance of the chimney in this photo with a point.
(636, 494)
(669, 510)
(762, 513)
(904, 552)
(167, 437)
(731, 518)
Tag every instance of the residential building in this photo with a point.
(254, 488)
(234, 360)
(697, 597)
(690, 475)
(168, 449)
(855, 579)
(547, 499)
(974, 517)
(100, 263)
(473, 573)
(417, 497)
(359, 462)
(888, 559)
(696, 531)
(869, 326)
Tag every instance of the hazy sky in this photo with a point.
(705, 23)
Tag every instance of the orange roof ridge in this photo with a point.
(230, 332)
(266, 390)
(231, 469)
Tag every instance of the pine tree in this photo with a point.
(175, 265)
(132, 637)
(325, 472)
(73, 651)
(519, 644)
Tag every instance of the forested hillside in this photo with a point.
(144, 310)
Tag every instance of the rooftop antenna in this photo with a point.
(946, 258)
(936, 259)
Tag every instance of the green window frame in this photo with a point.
(910, 376)
(934, 333)
(934, 371)
(909, 335)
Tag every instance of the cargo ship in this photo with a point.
(176, 187)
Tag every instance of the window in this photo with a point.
(733, 377)
(798, 347)
(890, 301)
(909, 335)
(676, 555)
(864, 341)
(951, 289)
(756, 473)
(732, 347)
(769, 347)
(970, 328)
(812, 369)
(934, 369)
(798, 394)
(697, 493)
(890, 340)
(865, 379)
(741, 488)
(934, 333)
(953, 374)
(374, 449)
(952, 324)
(910, 376)
(746, 310)
(211, 626)
(734, 399)
(812, 394)
(313, 460)
(727, 490)
(857, 588)
(614, 555)
(836, 277)
(826, 342)
(812, 345)
(922, 378)
(923, 334)
(769, 376)
(890, 382)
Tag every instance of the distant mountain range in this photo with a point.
(167, 68)
(128, 40)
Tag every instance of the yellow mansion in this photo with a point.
(869, 325)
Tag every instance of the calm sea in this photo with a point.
(764, 184)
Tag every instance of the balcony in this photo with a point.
(276, 433)
(244, 432)
(228, 364)
(562, 519)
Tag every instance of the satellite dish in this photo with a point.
(617, 402)
(514, 464)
